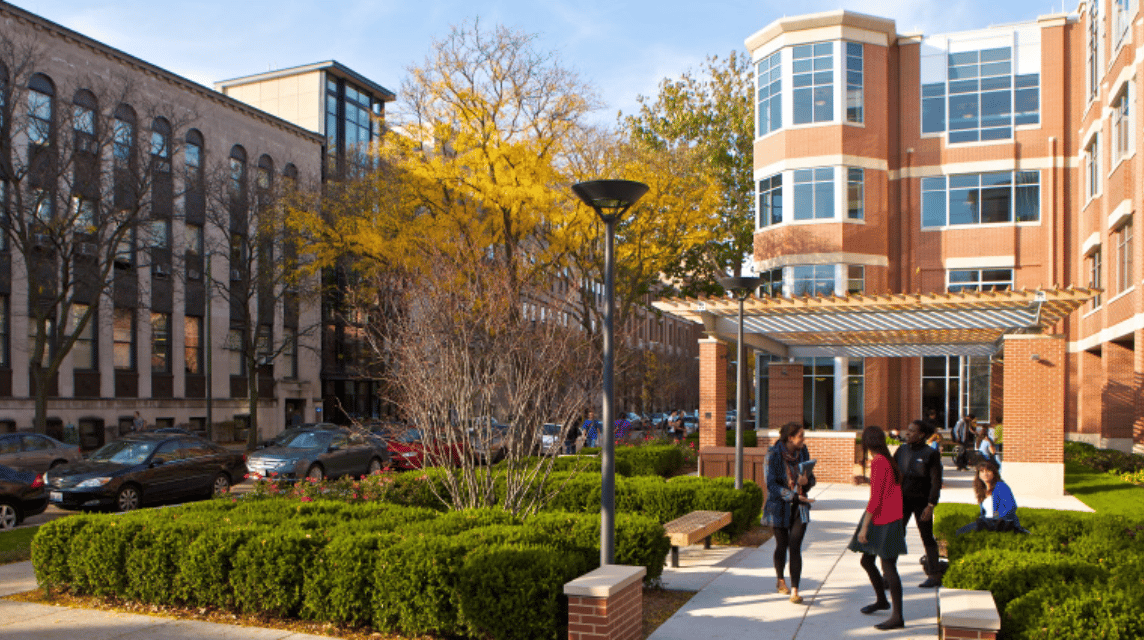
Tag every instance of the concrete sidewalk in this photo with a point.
(736, 586)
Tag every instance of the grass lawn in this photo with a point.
(1103, 492)
(16, 545)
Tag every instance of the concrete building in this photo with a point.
(992, 159)
(59, 80)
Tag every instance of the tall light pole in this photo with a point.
(741, 287)
(611, 199)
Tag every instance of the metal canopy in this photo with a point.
(888, 325)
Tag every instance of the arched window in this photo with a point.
(161, 140)
(41, 91)
(265, 176)
(237, 173)
(290, 172)
(124, 134)
(84, 119)
(193, 158)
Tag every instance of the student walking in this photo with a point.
(787, 510)
(570, 440)
(921, 490)
(881, 533)
(962, 439)
(591, 429)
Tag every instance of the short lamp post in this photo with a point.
(611, 199)
(741, 287)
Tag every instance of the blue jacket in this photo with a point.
(776, 511)
(1004, 505)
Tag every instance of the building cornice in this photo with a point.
(836, 18)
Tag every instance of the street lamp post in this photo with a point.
(611, 199)
(741, 287)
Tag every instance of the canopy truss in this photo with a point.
(887, 325)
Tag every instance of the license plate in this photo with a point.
(56, 496)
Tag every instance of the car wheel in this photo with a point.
(374, 466)
(9, 517)
(221, 485)
(316, 473)
(128, 498)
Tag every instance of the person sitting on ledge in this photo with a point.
(998, 507)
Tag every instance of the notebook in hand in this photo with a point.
(805, 468)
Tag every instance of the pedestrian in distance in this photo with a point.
(570, 439)
(881, 533)
(921, 489)
(789, 476)
(984, 445)
(963, 434)
(622, 426)
(138, 424)
(591, 429)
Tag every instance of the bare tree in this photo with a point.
(270, 270)
(85, 167)
(462, 350)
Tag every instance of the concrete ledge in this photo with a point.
(968, 610)
(1034, 479)
(604, 582)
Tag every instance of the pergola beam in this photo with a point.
(726, 329)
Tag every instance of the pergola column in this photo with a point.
(785, 402)
(712, 393)
(1034, 415)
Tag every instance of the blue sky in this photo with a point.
(623, 48)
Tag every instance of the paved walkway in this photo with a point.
(736, 586)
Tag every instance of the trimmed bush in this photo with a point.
(340, 586)
(152, 563)
(52, 547)
(205, 569)
(98, 560)
(269, 570)
(651, 460)
(415, 586)
(1008, 574)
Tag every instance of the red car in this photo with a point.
(407, 450)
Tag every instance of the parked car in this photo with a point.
(318, 452)
(408, 450)
(548, 440)
(35, 453)
(690, 423)
(144, 468)
(175, 430)
(22, 495)
(289, 433)
(488, 445)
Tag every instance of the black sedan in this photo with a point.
(21, 495)
(145, 468)
(320, 452)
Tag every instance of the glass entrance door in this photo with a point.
(953, 385)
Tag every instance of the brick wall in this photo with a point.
(836, 452)
(1118, 396)
(1034, 407)
(618, 616)
(712, 393)
(784, 403)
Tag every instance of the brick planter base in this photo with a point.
(606, 604)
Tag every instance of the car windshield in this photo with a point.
(550, 429)
(305, 440)
(123, 452)
(410, 435)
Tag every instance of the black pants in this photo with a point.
(888, 578)
(914, 506)
(788, 541)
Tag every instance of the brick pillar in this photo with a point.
(712, 393)
(785, 402)
(606, 604)
(1138, 389)
(1034, 418)
(1091, 381)
(1117, 397)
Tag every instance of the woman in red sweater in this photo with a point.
(882, 532)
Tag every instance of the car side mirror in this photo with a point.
(158, 461)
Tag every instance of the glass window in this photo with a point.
(1123, 238)
(981, 96)
(772, 283)
(818, 392)
(237, 174)
(194, 239)
(768, 78)
(1094, 72)
(855, 279)
(123, 337)
(1092, 166)
(1027, 99)
(981, 198)
(39, 112)
(1121, 126)
(83, 214)
(978, 280)
(855, 393)
(812, 82)
(83, 352)
(123, 139)
(160, 342)
(812, 280)
(770, 200)
(933, 108)
(854, 82)
(290, 351)
(159, 234)
(1121, 19)
(855, 193)
(193, 344)
(814, 193)
(1095, 280)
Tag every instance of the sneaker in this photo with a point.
(931, 582)
(781, 587)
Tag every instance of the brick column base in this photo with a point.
(958, 633)
(606, 604)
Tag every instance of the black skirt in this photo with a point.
(887, 541)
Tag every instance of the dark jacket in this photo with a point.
(776, 511)
(921, 471)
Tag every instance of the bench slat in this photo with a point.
(695, 526)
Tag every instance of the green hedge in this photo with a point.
(1075, 575)
(1103, 459)
(406, 570)
(750, 437)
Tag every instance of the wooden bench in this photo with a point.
(693, 527)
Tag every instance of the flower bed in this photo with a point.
(407, 570)
(1076, 575)
(1127, 466)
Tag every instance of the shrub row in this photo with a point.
(750, 438)
(1111, 460)
(412, 571)
(1075, 575)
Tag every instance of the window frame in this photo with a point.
(1123, 241)
(979, 283)
(855, 192)
(161, 342)
(855, 91)
(769, 201)
(193, 344)
(1122, 130)
(119, 314)
(1018, 193)
(86, 337)
(771, 104)
(816, 87)
(819, 186)
(1093, 175)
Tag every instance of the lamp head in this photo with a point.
(610, 198)
(740, 286)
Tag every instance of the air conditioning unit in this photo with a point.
(235, 275)
(194, 274)
(161, 270)
(265, 361)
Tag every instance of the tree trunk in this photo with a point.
(41, 420)
(252, 438)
